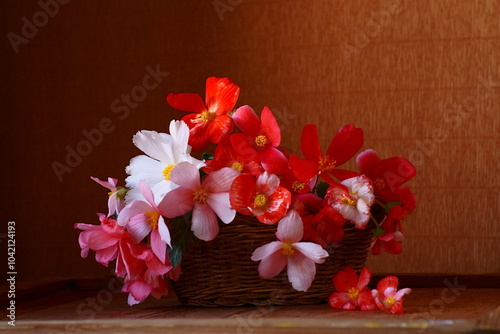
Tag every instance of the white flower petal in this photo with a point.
(290, 228)
(204, 222)
(219, 202)
(312, 251)
(301, 271)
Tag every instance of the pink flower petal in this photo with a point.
(290, 228)
(147, 193)
(312, 251)
(132, 209)
(301, 271)
(110, 184)
(139, 227)
(185, 175)
(220, 181)
(158, 246)
(266, 250)
(220, 205)
(176, 203)
(204, 222)
(163, 230)
(272, 265)
(399, 295)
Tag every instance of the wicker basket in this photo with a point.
(221, 273)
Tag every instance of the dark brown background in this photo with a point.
(420, 77)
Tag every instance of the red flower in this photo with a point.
(322, 224)
(259, 139)
(263, 197)
(208, 122)
(390, 240)
(226, 156)
(352, 292)
(344, 145)
(387, 174)
(387, 296)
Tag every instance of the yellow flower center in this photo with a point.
(260, 140)
(389, 301)
(326, 164)
(260, 200)
(152, 218)
(166, 172)
(237, 166)
(379, 183)
(200, 196)
(353, 293)
(287, 249)
(296, 186)
(349, 201)
(205, 116)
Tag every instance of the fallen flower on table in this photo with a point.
(352, 292)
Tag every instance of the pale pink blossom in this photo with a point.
(300, 258)
(103, 239)
(116, 200)
(143, 218)
(353, 198)
(208, 200)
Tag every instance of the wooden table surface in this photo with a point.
(428, 310)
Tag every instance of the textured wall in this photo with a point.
(420, 77)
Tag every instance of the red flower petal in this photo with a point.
(345, 279)
(367, 162)
(366, 301)
(273, 160)
(221, 95)
(343, 174)
(396, 171)
(270, 127)
(219, 128)
(303, 169)
(243, 147)
(338, 299)
(345, 144)
(364, 278)
(247, 121)
(278, 204)
(242, 193)
(186, 102)
(309, 143)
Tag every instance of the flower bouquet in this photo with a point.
(222, 228)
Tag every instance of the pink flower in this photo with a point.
(208, 200)
(116, 200)
(142, 218)
(352, 198)
(103, 239)
(352, 292)
(387, 297)
(143, 272)
(299, 257)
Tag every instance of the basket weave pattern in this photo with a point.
(221, 273)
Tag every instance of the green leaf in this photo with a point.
(207, 156)
(321, 189)
(378, 231)
(181, 238)
(389, 206)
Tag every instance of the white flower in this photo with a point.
(353, 198)
(163, 152)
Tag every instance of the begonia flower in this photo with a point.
(103, 239)
(208, 200)
(116, 200)
(259, 139)
(388, 297)
(208, 122)
(163, 152)
(143, 218)
(300, 258)
(343, 146)
(387, 174)
(226, 156)
(392, 236)
(352, 198)
(351, 290)
(262, 196)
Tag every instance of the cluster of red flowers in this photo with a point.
(310, 199)
(256, 154)
(352, 292)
